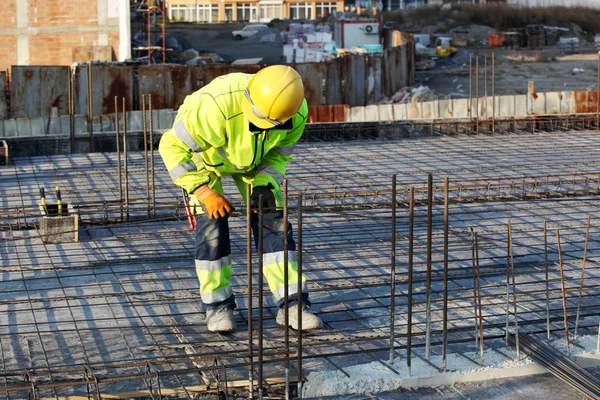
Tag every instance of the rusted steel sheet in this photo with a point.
(328, 113)
(394, 70)
(168, 84)
(313, 75)
(373, 79)
(334, 82)
(584, 102)
(35, 91)
(340, 112)
(354, 79)
(212, 71)
(108, 81)
(3, 96)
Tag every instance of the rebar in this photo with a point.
(300, 268)
(481, 349)
(145, 133)
(249, 286)
(562, 286)
(429, 257)
(411, 225)
(118, 141)
(125, 158)
(514, 288)
(286, 305)
(393, 270)
(547, 281)
(445, 305)
(260, 253)
(585, 247)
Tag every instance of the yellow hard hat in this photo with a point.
(274, 95)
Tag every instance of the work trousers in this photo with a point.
(214, 268)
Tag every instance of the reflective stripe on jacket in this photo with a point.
(211, 135)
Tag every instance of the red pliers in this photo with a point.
(186, 203)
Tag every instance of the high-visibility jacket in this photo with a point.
(211, 136)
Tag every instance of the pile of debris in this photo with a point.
(410, 95)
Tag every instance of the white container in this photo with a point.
(319, 37)
(422, 38)
(311, 38)
(327, 37)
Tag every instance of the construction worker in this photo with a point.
(244, 126)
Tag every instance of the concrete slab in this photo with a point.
(23, 127)
(357, 114)
(400, 111)
(386, 112)
(372, 113)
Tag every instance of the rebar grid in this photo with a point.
(120, 310)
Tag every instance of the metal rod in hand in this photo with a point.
(146, 172)
(585, 247)
(152, 154)
(562, 286)
(411, 226)
(260, 296)
(393, 270)
(125, 158)
(299, 251)
(481, 349)
(118, 142)
(286, 305)
(428, 282)
(547, 281)
(514, 289)
(249, 291)
(445, 304)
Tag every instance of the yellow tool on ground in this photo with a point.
(58, 201)
(43, 206)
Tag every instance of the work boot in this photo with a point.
(220, 320)
(309, 320)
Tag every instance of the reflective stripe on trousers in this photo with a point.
(213, 260)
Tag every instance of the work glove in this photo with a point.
(215, 205)
(268, 198)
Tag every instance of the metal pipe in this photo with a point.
(152, 155)
(393, 270)
(125, 158)
(260, 296)
(118, 143)
(514, 290)
(411, 226)
(428, 283)
(145, 130)
(299, 251)
(286, 305)
(249, 290)
(445, 305)
(547, 282)
(585, 247)
(563, 291)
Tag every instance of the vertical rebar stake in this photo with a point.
(249, 292)
(564, 295)
(477, 93)
(152, 155)
(481, 349)
(286, 305)
(118, 144)
(125, 158)
(428, 282)
(547, 281)
(585, 247)
(507, 284)
(91, 107)
(473, 268)
(411, 221)
(260, 296)
(299, 252)
(145, 130)
(470, 92)
(514, 289)
(485, 84)
(445, 305)
(493, 92)
(393, 269)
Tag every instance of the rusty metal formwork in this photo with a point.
(36, 91)
(414, 249)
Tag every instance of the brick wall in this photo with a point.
(58, 49)
(60, 26)
(8, 16)
(44, 13)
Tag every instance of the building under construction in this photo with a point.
(436, 251)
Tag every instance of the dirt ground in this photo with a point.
(513, 70)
